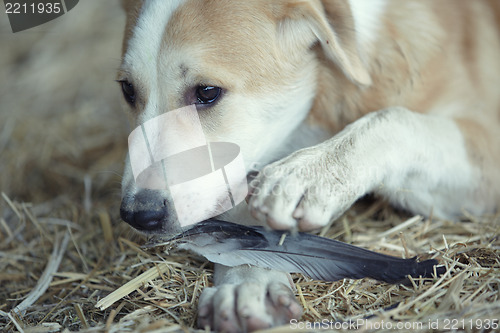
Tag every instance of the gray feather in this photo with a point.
(317, 257)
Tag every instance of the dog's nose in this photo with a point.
(143, 220)
(146, 211)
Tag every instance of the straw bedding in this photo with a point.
(63, 248)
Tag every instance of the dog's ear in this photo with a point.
(309, 22)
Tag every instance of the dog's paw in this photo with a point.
(247, 307)
(306, 190)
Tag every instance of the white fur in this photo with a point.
(255, 299)
(403, 155)
(367, 15)
(145, 45)
(416, 152)
(278, 134)
(141, 61)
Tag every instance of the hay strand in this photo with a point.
(44, 282)
(131, 286)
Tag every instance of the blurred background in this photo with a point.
(61, 124)
(63, 139)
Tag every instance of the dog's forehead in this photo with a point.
(146, 40)
(161, 23)
(212, 32)
(196, 20)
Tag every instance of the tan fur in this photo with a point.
(420, 77)
(410, 111)
(457, 63)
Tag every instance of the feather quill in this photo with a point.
(320, 258)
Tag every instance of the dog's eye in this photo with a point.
(128, 92)
(207, 95)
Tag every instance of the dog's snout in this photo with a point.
(143, 220)
(146, 211)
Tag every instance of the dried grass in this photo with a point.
(62, 142)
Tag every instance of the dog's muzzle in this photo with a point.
(148, 211)
(201, 179)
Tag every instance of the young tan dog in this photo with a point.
(336, 98)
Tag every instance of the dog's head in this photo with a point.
(250, 67)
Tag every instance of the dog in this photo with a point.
(329, 100)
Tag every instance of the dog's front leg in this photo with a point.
(417, 161)
(247, 298)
